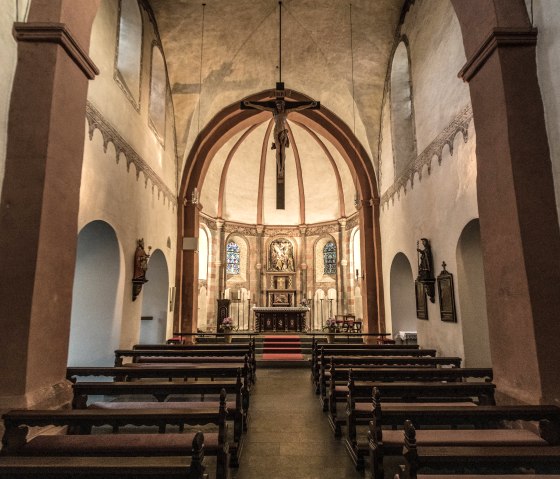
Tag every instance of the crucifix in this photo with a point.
(280, 109)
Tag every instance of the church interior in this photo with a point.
(377, 175)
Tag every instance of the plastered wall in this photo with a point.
(117, 191)
(546, 17)
(11, 12)
(440, 198)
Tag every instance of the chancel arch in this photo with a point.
(403, 305)
(97, 297)
(155, 300)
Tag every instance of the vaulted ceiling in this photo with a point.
(240, 58)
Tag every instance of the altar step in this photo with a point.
(282, 348)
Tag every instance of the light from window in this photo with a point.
(130, 47)
(329, 257)
(232, 258)
(157, 92)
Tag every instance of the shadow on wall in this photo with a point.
(154, 300)
(403, 302)
(97, 297)
(472, 297)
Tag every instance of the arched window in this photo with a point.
(158, 95)
(232, 258)
(402, 111)
(329, 257)
(129, 50)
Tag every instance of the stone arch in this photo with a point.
(97, 296)
(232, 120)
(155, 295)
(403, 305)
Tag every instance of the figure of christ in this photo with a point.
(280, 109)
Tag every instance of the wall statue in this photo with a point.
(281, 256)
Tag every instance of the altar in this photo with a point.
(280, 318)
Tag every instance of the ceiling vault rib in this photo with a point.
(299, 177)
(341, 204)
(262, 170)
(226, 168)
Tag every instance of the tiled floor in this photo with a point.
(289, 436)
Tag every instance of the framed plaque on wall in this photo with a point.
(421, 301)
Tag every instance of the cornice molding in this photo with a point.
(460, 124)
(59, 34)
(111, 135)
(497, 38)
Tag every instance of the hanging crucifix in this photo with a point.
(280, 108)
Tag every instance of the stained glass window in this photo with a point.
(329, 257)
(232, 258)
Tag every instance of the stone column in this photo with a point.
(40, 200)
(259, 266)
(342, 306)
(220, 258)
(516, 201)
(303, 261)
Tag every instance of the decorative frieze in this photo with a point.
(353, 221)
(110, 134)
(460, 124)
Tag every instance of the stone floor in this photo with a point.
(289, 436)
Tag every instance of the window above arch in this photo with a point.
(129, 50)
(329, 258)
(233, 258)
(158, 93)
(402, 110)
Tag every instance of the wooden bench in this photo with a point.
(237, 410)
(373, 352)
(338, 391)
(194, 347)
(357, 395)
(489, 459)
(208, 356)
(80, 442)
(87, 467)
(161, 371)
(485, 423)
(327, 362)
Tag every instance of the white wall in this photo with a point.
(8, 59)
(115, 192)
(155, 302)
(443, 201)
(547, 20)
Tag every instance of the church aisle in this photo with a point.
(285, 444)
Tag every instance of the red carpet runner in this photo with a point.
(282, 348)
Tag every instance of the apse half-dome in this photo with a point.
(240, 185)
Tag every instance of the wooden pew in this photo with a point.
(346, 362)
(237, 410)
(484, 419)
(194, 347)
(80, 441)
(357, 395)
(87, 467)
(490, 459)
(338, 391)
(373, 352)
(161, 371)
(200, 355)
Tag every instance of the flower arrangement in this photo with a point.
(331, 325)
(227, 324)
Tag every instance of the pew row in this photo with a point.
(472, 426)
(503, 460)
(236, 410)
(80, 442)
(88, 467)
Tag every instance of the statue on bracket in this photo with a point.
(281, 255)
(426, 268)
(140, 268)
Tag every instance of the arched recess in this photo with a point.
(403, 302)
(219, 130)
(97, 297)
(472, 297)
(402, 109)
(154, 300)
(129, 48)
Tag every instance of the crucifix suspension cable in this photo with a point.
(280, 108)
